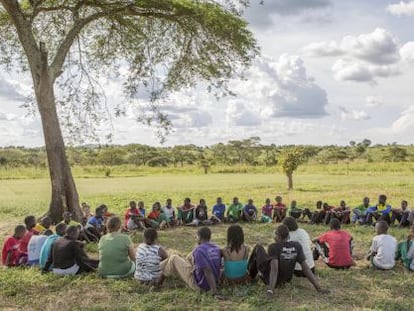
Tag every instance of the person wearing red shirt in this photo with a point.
(334, 247)
(279, 210)
(133, 217)
(30, 222)
(10, 252)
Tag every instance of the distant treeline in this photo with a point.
(247, 152)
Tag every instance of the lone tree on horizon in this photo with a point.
(67, 45)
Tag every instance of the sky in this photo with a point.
(329, 72)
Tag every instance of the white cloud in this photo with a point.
(407, 52)
(405, 121)
(353, 70)
(402, 8)
(237, 113)
(352, 114)
(373, 101)
(11, 90)
(322, 49)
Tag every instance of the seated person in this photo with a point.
(30, 222)
(342, 213)
(359, 212)
(318, 215)
(133, 217)
(334, 247)
(86, 210)
(249, 211)
(267, 211)
(234, 211)
(186, 212)
(302, 237)
(218, 211)
(277, 265)
(383, 248)
(279, 210)
(67, 219)
(47, 246)
(68, 257)
(10, 253)
(294, 211)
(35, 245)
(148, 259)
(169, 213)
(327, 210)
(201, 214)
(116, 252)
(156, 218)
(95, 227)
(203, 271)
(381, 211)
(401, 214)
(403, 249)
(235, 256)
(106, 212)
(43, 225)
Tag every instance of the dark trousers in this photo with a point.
(259, 263)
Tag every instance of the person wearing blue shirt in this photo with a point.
(95, 225)
(47, 246)
(218, 211)
(249, 211)
(381, 211)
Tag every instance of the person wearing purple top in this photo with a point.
(202, 272)
(218, 211)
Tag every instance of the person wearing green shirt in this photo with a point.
(234, 211)
(116, 252)
(294, 211)
(360, 211)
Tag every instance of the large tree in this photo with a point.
(67, 45)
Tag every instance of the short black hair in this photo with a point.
(61, 229)
(30, 221)
(282, 231)
(291, 223)
(334, 224)
(132, 204)
(382, 226)
(71, 230)
(19, 229)
(204, 233)
(150, 235)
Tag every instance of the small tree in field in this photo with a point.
(289, 160)
(68, 45)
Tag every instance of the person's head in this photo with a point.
(293, 203)
(334, 224)
(47, 232)
(132, 205)
(365, 201)
(250, 202)
(281, 233)
(86, 209)
(202, 202)
(203, 235)
(141, 204)
(267, 202)
(150, 236)
(187, 201)
(72, 232)
(278, 199)
(168, 202)
(342, 204)
(382, 198)
(235, 237)
(30, 222)
(219, 200)
(381, 227)
(404, 204)
(113, 224)
(319, 204)
(19, 231)
(325, 205)
(67, 216)
(104, 208)
(99, 212)
(235, 200)
(61, 229)
(46, 222)
(291, 223)
(155, 207)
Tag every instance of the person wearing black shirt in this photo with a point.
(276, 267)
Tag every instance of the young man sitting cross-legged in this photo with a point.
(276, 267)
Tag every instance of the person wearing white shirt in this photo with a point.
(383, 248)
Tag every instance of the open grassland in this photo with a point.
(356, 289)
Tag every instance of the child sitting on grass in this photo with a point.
(383, 248)
(9, 252)
(156, 217)
(405, 251)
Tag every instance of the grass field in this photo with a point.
(359, 288)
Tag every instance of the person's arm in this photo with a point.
(211, 280)
(131, 252)
(162, 253)
(410, 253)
(49, 260)
(80, 257)
(311, 277)
(9, 258)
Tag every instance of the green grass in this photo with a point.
(357, 289)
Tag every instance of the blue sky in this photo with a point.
(330, 71)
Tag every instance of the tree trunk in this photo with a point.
(290, 180)
(64, 194)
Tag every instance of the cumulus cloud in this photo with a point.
(352, 114)
(407, 52)
(402, 8)
(405, 121)
(373, 101)
(10, 90)
(282, 88)
(322, 49)
(353, 70)
(237, 113)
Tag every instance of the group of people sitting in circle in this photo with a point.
(207, 266)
